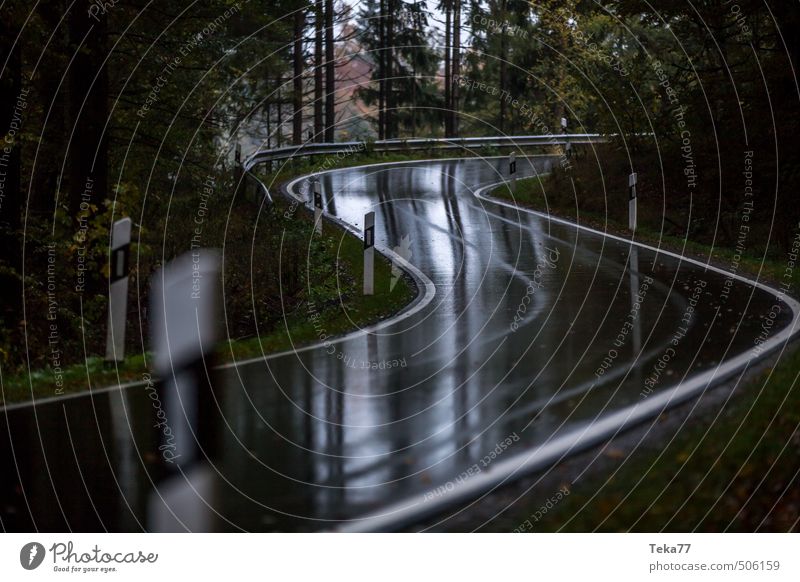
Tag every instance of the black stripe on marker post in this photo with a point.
(369, 253)
(119, 263)
(369, 237)
(317, 207)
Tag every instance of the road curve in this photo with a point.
(531, 338)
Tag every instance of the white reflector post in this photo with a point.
(369, 253)
(118, 290)
(318, 207)
(563, 125)
(632, 201)
(185, 306)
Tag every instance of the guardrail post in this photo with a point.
(265, 198)
(369, 253)
(318, 207)
(632, 201)
(118, 290)
(185, 300)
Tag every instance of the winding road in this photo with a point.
(530, 338)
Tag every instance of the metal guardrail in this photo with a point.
(493, 141)
(393, 145)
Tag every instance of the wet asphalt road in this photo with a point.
(535, 327)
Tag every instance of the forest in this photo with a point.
(137, 108)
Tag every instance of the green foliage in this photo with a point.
(414, 63)
(179, 78)
(697, 97)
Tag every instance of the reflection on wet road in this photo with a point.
(535, 327)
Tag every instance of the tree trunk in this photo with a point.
(330, 75)
(382, 71)
(279, 103)
(12, 117)
(503, 70)
(47, 177)
(88, 111)
(319, 124)
(391, 106)
(414, 102)
(448, 80)
(268, 109)
(456, 63)
(297, 81)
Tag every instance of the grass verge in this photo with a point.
(731, 469)
(530, 193)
